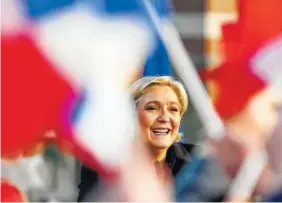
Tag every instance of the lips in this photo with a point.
(161, 131)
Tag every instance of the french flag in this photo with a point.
(47, 62)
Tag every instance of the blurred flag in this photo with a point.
(253, 28)
(47, 65)
(33, 94)
(243, 44)
(158, 63)
(35, 99)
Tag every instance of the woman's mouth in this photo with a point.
(161, 131)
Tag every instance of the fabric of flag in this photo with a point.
(28, 84)
(40, 9)
(240, 50)
(158, 64)
(36, 97)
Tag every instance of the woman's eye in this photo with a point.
(151, 108)
(174, 109)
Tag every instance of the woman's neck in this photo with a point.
(159, 155)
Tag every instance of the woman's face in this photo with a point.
(159, 116)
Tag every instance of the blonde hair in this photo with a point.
(143, 85)
(140, 87)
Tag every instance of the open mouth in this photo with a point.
(161, 131)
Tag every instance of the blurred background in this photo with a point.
(198, 22)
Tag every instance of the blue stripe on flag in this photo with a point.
(158, 63)
(36, 9)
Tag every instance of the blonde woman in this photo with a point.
(160, 103)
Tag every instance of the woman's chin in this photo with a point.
(160, 144)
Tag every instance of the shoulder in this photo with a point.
(180, 150)
(178, 155)
(185, 146)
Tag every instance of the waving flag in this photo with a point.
(33, 94)
(242, 42)
(36, 99)
(60, 53)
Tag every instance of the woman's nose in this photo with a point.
(164, 118)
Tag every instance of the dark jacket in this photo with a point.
(204, 180)
(177, 156)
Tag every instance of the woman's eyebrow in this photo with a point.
(158, 102)
(153, 102)
(175, 103)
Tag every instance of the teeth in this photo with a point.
(161, 131)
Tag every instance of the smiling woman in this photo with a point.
(160, 103)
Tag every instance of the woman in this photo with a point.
(160, 103)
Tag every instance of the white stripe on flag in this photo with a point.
(267, 63)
